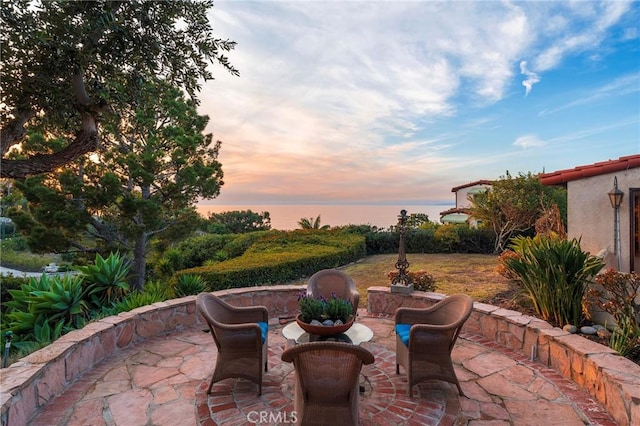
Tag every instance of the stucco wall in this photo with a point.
(462, 195)
(591, 217)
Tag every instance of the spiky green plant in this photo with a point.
(555, 273)
(153, 292)
(105, 280)
(625, 337)
(189, 284)
(43, 301)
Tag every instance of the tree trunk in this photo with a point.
(139, 266)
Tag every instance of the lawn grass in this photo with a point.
(25, 260)
(472, 274)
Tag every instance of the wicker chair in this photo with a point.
(425, 338)
(240, 334)
(327, 381)
(332, 281)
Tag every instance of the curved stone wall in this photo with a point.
(30, 383)
(610, 378)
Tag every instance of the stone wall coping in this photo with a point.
(32, 381)
(610, 378)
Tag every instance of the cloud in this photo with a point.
(532, 78)
(529, 141)
(382, 100)
(621, 86)
(586, 30)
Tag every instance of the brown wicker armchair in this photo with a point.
(240, 334)
(425, 338)
(332, 281)
(327, 381)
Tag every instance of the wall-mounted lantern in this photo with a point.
(615, 197)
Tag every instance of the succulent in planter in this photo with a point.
(331, 311)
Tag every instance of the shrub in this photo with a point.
(555, 273)
(617, 296)
(433, 238)
(9, 282)
(421, 280)
(447, 237)
(188, 285)
(280, 256)
(153, 292)
(503, 268)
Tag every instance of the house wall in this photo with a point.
(591, 217)
(462, 195)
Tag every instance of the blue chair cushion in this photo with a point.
(402, 330)
(265, 328)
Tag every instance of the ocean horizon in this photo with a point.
(286, 216)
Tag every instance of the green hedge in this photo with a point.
(440, 239)
(280, 256)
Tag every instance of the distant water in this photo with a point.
(286, 217)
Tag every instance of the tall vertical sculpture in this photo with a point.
(400, 283)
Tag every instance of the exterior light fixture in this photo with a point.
(615, 196)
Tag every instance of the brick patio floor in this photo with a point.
(163, 381)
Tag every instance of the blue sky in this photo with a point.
(398, 102)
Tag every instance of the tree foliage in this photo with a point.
(146, 180)
(238, 222)
(67, 66)
(311, 223)
(513, 204)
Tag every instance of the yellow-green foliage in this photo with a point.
(282, 256)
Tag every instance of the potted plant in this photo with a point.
(324, 316)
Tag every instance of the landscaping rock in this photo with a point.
(570, 329)
(588, 330)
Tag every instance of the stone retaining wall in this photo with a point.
(610, 378)
(30, 383)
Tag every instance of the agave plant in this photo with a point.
(105, 280)
(56, 300)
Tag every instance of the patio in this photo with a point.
(163, 381)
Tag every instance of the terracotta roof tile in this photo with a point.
(581, 172)
(466, 185)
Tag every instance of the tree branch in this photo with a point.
(14, 132)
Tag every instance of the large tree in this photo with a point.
(513, 204)
(144, 181)
(68, 64)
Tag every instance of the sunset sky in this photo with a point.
(387, 102)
